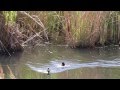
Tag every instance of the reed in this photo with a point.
(74, 28)
(79, 28)
(9, 32)
(10, 17)
(92, 28)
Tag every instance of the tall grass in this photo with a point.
(52, 21)
(9, 32)
(10, 17)
(74, 28)
(91, 28)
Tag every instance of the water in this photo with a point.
(101, 63)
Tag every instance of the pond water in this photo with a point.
(33, 63)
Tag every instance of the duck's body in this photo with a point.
(63, 64)
(48, 70)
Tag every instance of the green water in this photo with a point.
(101, 63)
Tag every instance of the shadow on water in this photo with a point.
(13, 59)
(79, 63)
(8, 64)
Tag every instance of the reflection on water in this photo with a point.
(79, 63)
(1, 73)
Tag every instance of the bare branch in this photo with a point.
(39, 23)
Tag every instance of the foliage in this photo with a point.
(10, 16)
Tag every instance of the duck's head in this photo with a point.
(48, 70)
(63, 64)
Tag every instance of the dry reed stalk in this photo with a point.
(38, 22)
(1, 73)
(12, 76)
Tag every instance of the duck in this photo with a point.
(48, 70)
(63, 64)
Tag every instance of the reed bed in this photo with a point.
(74, 28)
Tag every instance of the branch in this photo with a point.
(39, 23)
(37, 34)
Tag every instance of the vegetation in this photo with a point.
(9, 35)
(73, 28)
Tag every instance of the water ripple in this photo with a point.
(56, 67)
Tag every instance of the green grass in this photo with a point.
(10, 16)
